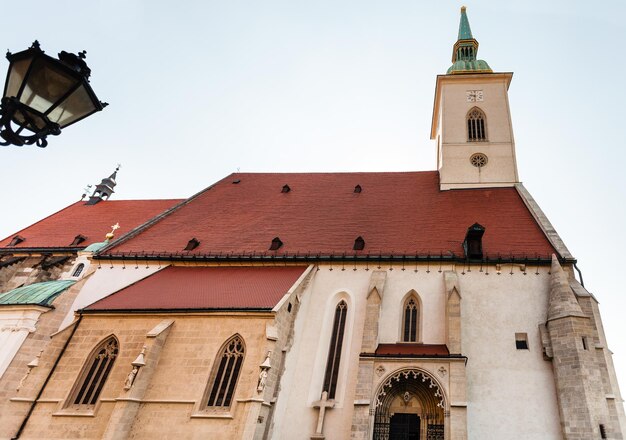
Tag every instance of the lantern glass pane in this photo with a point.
(16, 76)
(76, 106)
(45, 84)
(29, 120)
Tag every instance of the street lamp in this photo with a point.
(42, 95)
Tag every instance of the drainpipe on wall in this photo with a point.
(56, 362)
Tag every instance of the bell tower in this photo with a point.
(472, 121)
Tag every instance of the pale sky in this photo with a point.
(200, 89)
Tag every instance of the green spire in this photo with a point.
(465, 32)
(465, 51)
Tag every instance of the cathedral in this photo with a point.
(424, 305)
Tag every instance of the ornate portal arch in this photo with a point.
(410, 403)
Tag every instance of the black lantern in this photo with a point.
(42, 95)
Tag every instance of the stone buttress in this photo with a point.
(569, 340)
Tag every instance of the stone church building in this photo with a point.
(404, 305)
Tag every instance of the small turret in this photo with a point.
(104, 189)
(562, 302)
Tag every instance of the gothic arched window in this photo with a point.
(226, 371)
(476, 125)
(334, 352)
(410, 322)
(94, 374)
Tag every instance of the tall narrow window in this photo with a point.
(476, 125)
(334, 352)
(225, 373)
(94, 374)
(411, 320)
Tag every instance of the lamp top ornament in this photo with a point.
(465, 51)
(42, 95)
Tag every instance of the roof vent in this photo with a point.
(358, 189)
(78, 240)
(192, 244)
(359, 244)
(473, 243)
(236, 181)
(285, 189)
(276, 244)
(16, 240)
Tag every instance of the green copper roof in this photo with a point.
(95, 247)
(39, 293)
(471, 66)
(465, 32)
(465, 51)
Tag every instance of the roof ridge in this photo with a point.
(39, 221)
(143, 200)
(546, 227)
(278, 173)
(146, 225)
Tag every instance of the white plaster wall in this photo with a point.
(495, 105)
(301, 384)
(430, 289)
(511, 393)
(15, 325)
(109, 278)
(305, 365)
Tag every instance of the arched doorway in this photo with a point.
(409, 406)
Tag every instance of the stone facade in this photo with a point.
(586, 397)
(33, 269)
(166, 397)
(17, 389)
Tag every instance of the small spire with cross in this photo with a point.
(104, 189)
(111, 234)
(86, 191)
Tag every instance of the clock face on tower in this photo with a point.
(474, 95)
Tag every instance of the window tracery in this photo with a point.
(226, 373)
(476, 126)
(95, 373)
(411, 320)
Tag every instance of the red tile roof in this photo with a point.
(399, 213)
(92, 221)
(412, 350)
(184, 288)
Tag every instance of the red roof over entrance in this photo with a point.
(202, 288)
(91, 221)
(412, 350)
(394, 213)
